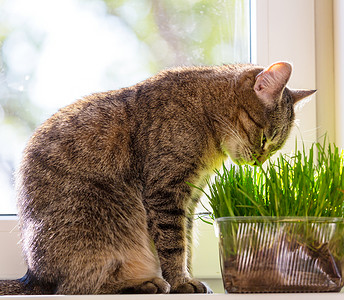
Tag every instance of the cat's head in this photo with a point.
(265, 113)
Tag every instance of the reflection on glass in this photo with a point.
(53, 52)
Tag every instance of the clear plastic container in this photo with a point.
(281, 254)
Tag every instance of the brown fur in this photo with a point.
(106, 176)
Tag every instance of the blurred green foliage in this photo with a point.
(185, 32)
(172, 32)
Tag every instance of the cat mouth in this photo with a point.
(244, 156)
(242, 161)
(255, 160)
(239, 159)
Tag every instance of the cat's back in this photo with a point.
(86, 140)
(93, 114)
(99, 130)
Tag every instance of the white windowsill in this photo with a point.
(318, 296)
(8, 227)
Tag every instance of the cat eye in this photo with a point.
(263, 140)
(273, 135)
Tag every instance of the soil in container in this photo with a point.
(285, 266)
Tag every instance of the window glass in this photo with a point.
(53, 52)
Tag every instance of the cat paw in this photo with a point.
(152, 286)
(192, 286)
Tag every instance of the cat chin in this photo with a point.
(234, 152)
(241, 160)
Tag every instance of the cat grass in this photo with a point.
(306, 183)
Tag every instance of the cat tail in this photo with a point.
(23, 286)
(12, 287)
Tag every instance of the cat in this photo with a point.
(103, 200)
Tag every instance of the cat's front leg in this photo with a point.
(167, 226)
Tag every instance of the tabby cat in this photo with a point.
(103, 202)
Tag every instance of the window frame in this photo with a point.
(338, 67)
(290, 36)
(270, 42)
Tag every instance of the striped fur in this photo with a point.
(102, 196)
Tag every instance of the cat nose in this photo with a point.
(257, 159)
(260, 159)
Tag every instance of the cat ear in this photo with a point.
(271, 81)
(301, 94)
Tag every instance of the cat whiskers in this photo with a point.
(229, 129)
(244, 152)
(248, 153)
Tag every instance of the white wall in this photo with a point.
(326, 122)
(286, 32)
(338, 18)
(11, 262)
